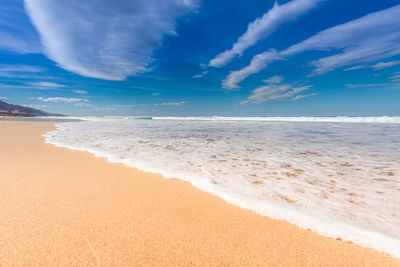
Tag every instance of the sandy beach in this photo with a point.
(65, 207)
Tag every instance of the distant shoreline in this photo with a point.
(11, 117)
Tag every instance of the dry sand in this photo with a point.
(64, 207)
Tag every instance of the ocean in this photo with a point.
(338, 176)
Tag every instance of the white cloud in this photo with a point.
(395, 77)
(21, 71)
(3, 98)
(105, 39)
(382, 65)
(155, 94)
(80, 92)
(122, 106)
(355, 68)
(378, 66)
(367, 39)
(200, 75)
(181, 103)
(370, 38)
(82, 104)
(303, 96)
(46, 84)
(368, 85)
(274, 79)
(105, 108)
(28, 86)
(68, 100)
(263, 27)
(274, 90)
(20, 68)
(258, 63)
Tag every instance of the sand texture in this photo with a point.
(60, 207)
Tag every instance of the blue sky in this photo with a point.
(202, 57)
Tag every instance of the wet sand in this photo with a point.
(64, 207)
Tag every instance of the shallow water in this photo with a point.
(341, 179)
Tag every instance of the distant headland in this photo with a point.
(10, 110)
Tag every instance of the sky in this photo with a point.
(202, 57)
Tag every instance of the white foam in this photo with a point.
(279, 169)
(379, 119)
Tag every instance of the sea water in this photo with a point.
(339, 176)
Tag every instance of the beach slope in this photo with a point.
(64, 207)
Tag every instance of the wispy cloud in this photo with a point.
(274, 79)
(181, 103)
(356, 68)
(378, 66)
(368, 85)
(20, 68)
(3, 97)
(21, 71)
(298, 97)
(100, 39)
(395, 77)
(68, 100)
(80, 92)
(263, 27)
(351, 43)
(30, 86)
(82, 104)
(122, 106)
(274, 90)
(394, 80)
(105, 108)
(45, 84)
(355, 41)
(258, 63)
(383, 65)
(201, 74)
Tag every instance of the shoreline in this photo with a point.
(332, 228)
(64, 205)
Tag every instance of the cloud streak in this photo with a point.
(351, 43)
(181, 103)
(82, 92)
(82, 104)
(298, 97)
(67, 100)
(275, 90)
(393, 82)
(383, 65)
(49, 85)
(263, 27)
(258, 63)
(100, 39)
(20, 68)
(395, 77)
(378, 66)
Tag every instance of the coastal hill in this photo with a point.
(21, 111)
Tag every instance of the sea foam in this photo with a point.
(339, 176)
